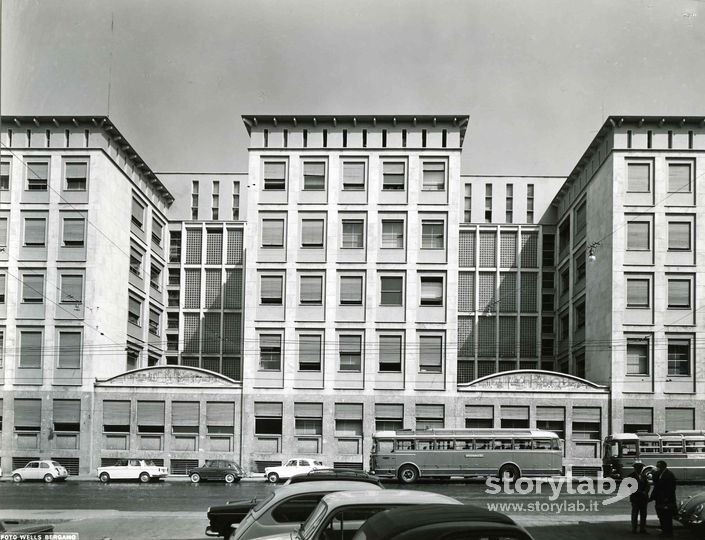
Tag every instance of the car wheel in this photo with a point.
(229, 478)
(104, 477)
(195, 478)
(649, 473)
(408, 474)
(16, 478)
(144, 477)
(48, 478)
(509, 472)
(273, 477)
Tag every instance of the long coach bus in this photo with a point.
(441, 453)
(683, 451)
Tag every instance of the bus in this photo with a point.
(441, 453)
(683, 451)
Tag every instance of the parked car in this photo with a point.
(15, 529)
(143, 470)
(44, 469)
(334, 474)
(440, 521)
(290, 468)
(340, 514)
(222, 518)
(691, 512)
(217, 469)
(285, 509)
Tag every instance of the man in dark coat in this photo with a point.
(639, 499)
(664, 497)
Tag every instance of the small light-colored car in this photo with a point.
(143, 470)
(341, 514)
(290, 468)
(44, 469)
(691, 512)
(287, 507)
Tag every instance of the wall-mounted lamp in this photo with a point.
(592, 248)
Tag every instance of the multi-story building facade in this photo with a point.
(352, 280)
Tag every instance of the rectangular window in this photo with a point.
(390, 354)
(353, 234)
(30, 349)
(509, 203)
(137, 213)
(580, 269)
(275, 176)
(389, 417)
(432, 235)
(69, 349)
(150, 417)
(74, 232)
(155, 277)
(3, 232)
(350, 349)
(2, 289)
(273, 233)
(134, 311)
(354, 176)
(467, 215)
(28, 415)
(430, 417)
(157, 232)
(580, 220)
(434, 176)
(638, 236)
(679, 294)
(268, 418)
(311, 291)
(488, 203)
(393, 176)
(431, 291)
(431, 354)
(175, 247)
(312, 233)
(679, 357)
(32, 288)
(309, 352)
(580, 316)
(270, 352)
(637, 356)
(351, 290)
(71, 289)
(67, 415)
(314, 176)
(530, 203)
(679, 178)
(185, 417)
(154, 317)
(37, 176)
(638, 293)
(392, 234)
(271, 290)
(678, 236)
(638, 177)
(35, 232)
(135, 262)
(348, 420)
(5, 176)
(236, 201)
(392, 291)
(214, 246)
(76, 176)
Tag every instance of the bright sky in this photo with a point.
(537, 77)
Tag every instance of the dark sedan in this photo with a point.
(691, 512)
(440, 522)
(219, 470)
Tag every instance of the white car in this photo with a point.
(143, 470)
(287, 507)
(290, 468)
(340, 514)
(45, 469)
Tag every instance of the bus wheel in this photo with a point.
(509, 472)
(408, 474)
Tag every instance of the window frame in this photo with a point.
(21, 359)
(401, 292)
(432, 367)
(434, 235)
(32, 218)
(314, 366)
(640, 305)
(283, 233)
(312, 302)
(359, 352)
(276, 180)
(62, 297)
(346, 187)
(650, 177)
(30, 170)
(33, 300)
(689, 236)
(72, 244)
(433, 278)
(395, 336)
(273, 350)
(383, 244)
(648, 236)
(679, 279)
(341, 288)
(75, 161)
(280, 277)
(431, 162)
(387, 176)
(5, 185)
(677, 340)
(312, 161)
(313, 245)
(680, 163)
(352, 221)
(69, 330)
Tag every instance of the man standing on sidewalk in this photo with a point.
(664, 497)
(639, 499)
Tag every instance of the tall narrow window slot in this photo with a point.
(48, 137)
(86, 135)
(67, 135)
(364, 138)
(384, 138)
(325, 138)
(670, 139)
(345, 138)
(305, 138)
(266, 138)
(690, 140)
(649, 138)
(286, 138)
(629, 138)
(423, 138)
(403, 138)
(444, 138)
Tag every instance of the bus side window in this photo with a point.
(628, 449)
(482, 444)
(695, 446)
(522, 444)
(542, 444)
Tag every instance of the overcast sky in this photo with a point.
(537, 77)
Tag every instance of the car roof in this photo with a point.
(320, 475)
(316, 487)
(387, 496)
(397, 520)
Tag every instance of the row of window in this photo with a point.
(137, 219)
(351, 289)
(67, 352)
(508, 204)
(135, 307)
(500, 248)
(74, 175)
(34, 232)
(155, 269)
(680, 289)
(221, 247)
(215, 199)
(312, 233)
(680, 233)
(680, 176)
(354, 172)
(679, 349)
(34, 287)
(351, 349)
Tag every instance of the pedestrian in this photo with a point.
(639, 499)
(664, 497)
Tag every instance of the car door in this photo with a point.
(133, 468)
(215, 471)
(43, 469)
(32, 471)
(303, 466)
(288, 514)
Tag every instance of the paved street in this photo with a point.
(176, 509)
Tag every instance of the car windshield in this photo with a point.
(309, 526)
(260, 504)
(55, 464)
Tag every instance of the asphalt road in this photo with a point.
(176, 509)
